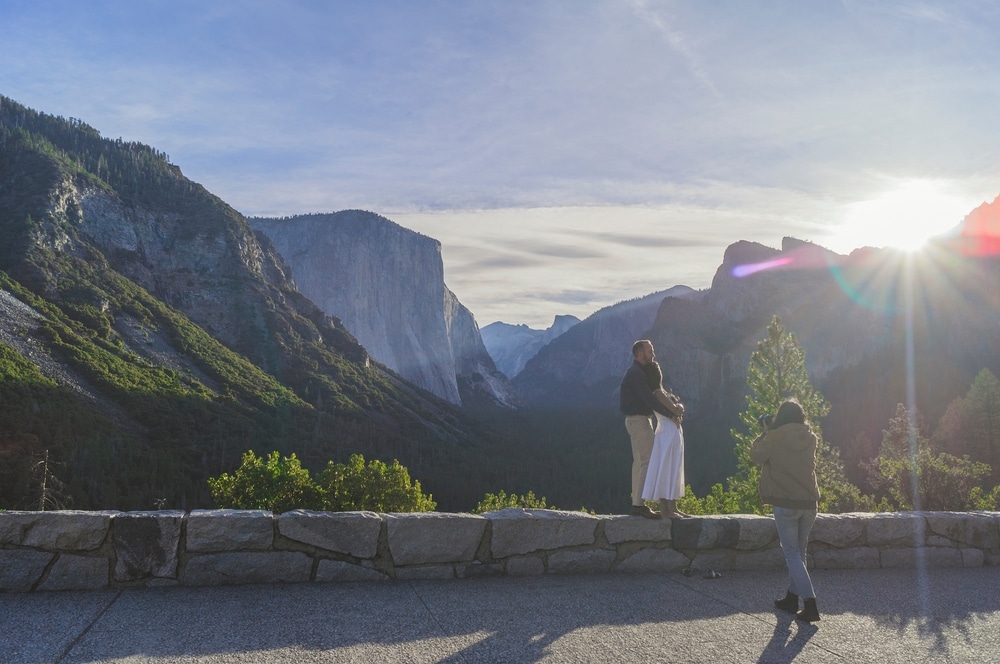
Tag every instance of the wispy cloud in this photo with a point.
(606, 149)
(656, 16)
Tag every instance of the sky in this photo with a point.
(567, 154)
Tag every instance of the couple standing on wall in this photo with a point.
(785, 450)
(657, 453)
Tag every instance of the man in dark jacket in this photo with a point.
(638, 405)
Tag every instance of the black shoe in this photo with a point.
(790, 602)
(642, 510)
(809, 612)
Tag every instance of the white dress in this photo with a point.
(665, 476)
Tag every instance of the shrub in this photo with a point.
(498, 501)
(374, 486)
(282, 484)
(272, 483)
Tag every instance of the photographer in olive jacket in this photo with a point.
(786, 453)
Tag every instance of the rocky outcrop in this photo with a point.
(848, 313)
(386, 283)
(195, 264)
(511, 346)
(85, 551)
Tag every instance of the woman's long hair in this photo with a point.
(789, 412)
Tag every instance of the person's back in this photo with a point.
(787, 456)
(630, 402)
(786, 453)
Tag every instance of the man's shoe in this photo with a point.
(642, 510)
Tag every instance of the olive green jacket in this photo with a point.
(787, 457)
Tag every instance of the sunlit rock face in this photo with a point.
(195, 261)
(511, 346)
(386, 283)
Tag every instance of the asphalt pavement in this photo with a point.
(941, 615)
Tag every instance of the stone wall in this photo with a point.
(93, 550)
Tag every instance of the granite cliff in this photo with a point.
(584, 364)
(386, 283)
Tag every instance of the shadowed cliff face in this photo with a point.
(851, 315)
(387, 284)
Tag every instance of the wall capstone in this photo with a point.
(518, 530)
(146, 544)
(352, 533)
(895, 529)
(229, 530)
(68, 530)
(434, 537)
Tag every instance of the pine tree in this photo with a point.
(777, 371)
(910, 475)
(971, 424)
(48, 488)
(982, 417)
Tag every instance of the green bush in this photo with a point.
(498, 501)
(272, 483)
(374, 486)
(282, 484)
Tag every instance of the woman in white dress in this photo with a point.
(665, 476)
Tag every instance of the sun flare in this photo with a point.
(905, 216)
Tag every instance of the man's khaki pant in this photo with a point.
(640, 430)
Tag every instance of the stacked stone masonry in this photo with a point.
(69, 550)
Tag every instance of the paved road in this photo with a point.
(944, 615)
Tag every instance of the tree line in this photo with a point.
(947, 471)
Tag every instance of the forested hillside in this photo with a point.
(163, 338)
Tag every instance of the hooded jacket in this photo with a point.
(787, 457)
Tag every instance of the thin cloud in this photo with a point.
(677, 43)
(652, 241)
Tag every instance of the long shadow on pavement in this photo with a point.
(868, 615)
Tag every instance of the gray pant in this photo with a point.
(793, 533)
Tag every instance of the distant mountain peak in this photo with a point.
(512, 346)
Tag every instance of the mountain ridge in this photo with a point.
(849, 314)
(129, 262)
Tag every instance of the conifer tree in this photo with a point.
(909, 474)
(777, 371)
(971, 424)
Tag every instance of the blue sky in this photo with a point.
(567, 154)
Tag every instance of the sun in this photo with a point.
(905, 216)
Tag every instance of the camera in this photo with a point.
(765, 420)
